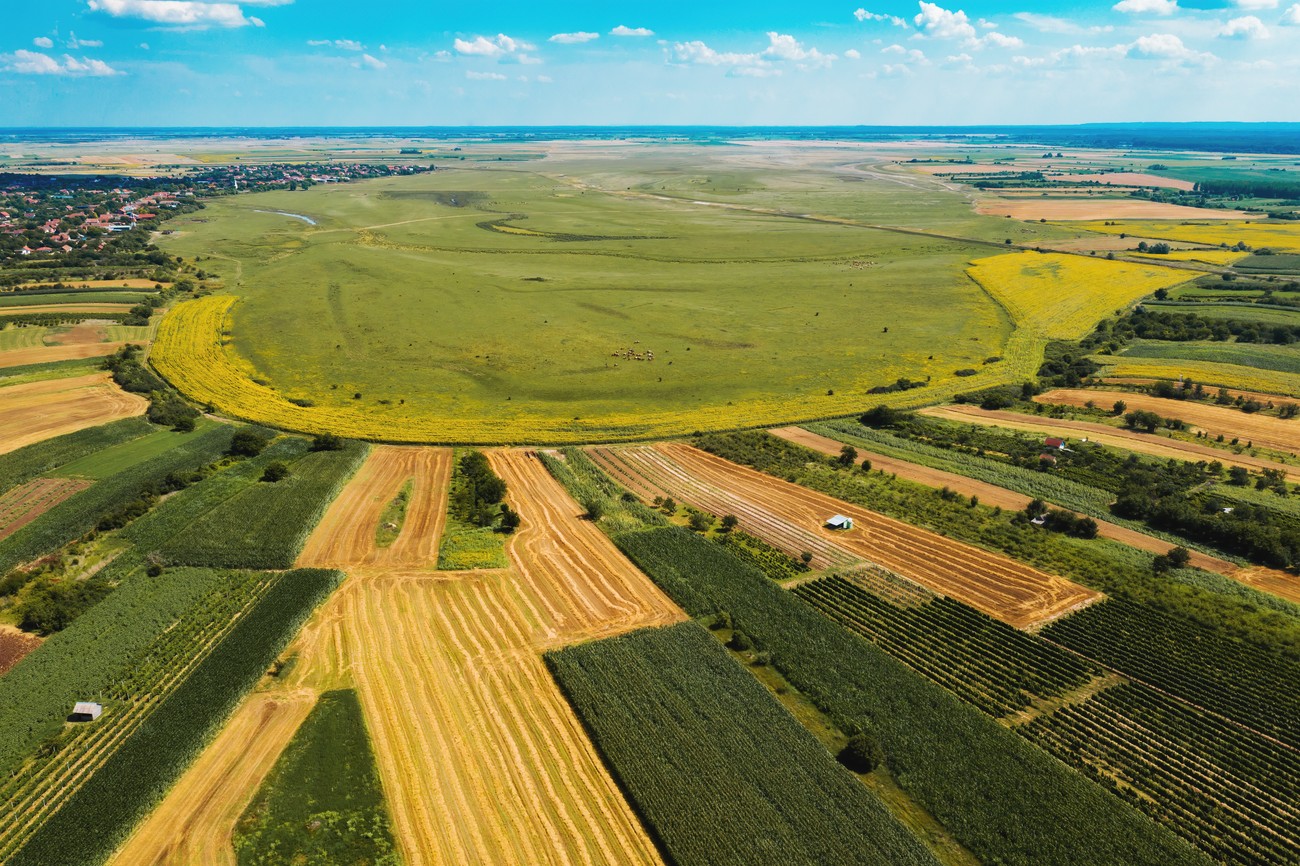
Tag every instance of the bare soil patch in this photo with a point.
(1066, 209)
(14, 646)
(1128, 178)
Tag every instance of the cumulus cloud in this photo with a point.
(1147, 7)
(497, 46)
(935, 21)
(1165, 46)
(1075, 55)
(624, 30)
(1001, 40)
(74, 43)
(43, 42)
(1245, 27)
(573, 38)
(911, 55)
(864, 15)
(181, 13)
(782, 47)
(369, 62)
(698, 53)
(1255, 4)
(1292, 16)
(484, 76)
(345, 44)
(34, 63)
(853, 54)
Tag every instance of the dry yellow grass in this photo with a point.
(41, 410)
(1205, 372)
(1279, 236)
(1064, 297)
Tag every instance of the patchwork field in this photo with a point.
(1084, 209)
(1255, 233)
(23, 504)
(40, 410)
(768, 507)
(42, 354)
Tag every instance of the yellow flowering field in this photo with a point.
(1205, 372)
(1257, 234)
(1208, 257)
(1062, 296)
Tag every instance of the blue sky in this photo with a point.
(416, 62)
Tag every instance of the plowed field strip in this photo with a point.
(29, 501)
(1128, 440)
(63, 309)
(1279, 583)
(483, 760)
(1263, 430)
(345, 538)
(47, 354)
(41, 410)
(1008, 590)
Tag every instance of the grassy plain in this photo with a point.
(500, 304)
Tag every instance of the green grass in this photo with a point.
(662, 704)
(1283, 359)
(53, 370)
(118, 458)
(394, 516)
(399, 296)
(1275, 264)
(322, 802)
(464, 546)
(1242, 312)
(40, 458)
(14, 337)
(23, 299)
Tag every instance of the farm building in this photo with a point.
(1054, 442)
(85, 711)
(1049, 459)
(839, 521)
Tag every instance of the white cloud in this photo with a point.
(179, 13)
(853, 54)
(74, 43)
(573, 38)
(144, 46)
(43, 42)
(911, 55)
(34, 63)
(698, 53)
(1165, 46)
(484, 76)
(864, 15)
(624, 30)
(369, 62)
(935, 21)
(1054, 24)
(784, 47)
(1255, 4)
(1075, 55)
(345, 44)
(1292, 16)
(1245, 27)
(1147, 7)
(482, 46)
(1000, 40)
(544, 79)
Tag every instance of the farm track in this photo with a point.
(1264, 430)
(345, 537)
(1127, 440)
(481, 758)
(768, 507)
(1279, 583)
(41, 410)
(29, 501)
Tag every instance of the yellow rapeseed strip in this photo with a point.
(190, 352)
(1205, 372)
(1208, 257)
(1062, 296)
(1256, 234)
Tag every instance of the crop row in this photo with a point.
(1234, 794)
(775, 563)
(662, 705)
(75, 517)
(266, 524)
(1002, 798)
(1238, 680)
(102, 812)
(982, 660)
(35, 460)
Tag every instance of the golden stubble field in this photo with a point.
(481, 758)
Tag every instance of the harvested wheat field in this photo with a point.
(767, 507)
(14, 645)
(40, 410)
(49, 354)
(1104, 434)
(1069, 209)
(1265, 430)
(1127, 178)
(1279, 583)
(345, 537)
(29, 501)
(65, 309)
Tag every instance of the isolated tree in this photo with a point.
(700, 522)
(248, 442)
(1118, 408)
(848, 455)
(863, 753)
(327, 442)
(276, 470)
(730, 522)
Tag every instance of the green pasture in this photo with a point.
(493, 292)
(1261, 356)
(22, 337)
(118, 458)
(1266, 314)
(28, 299)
